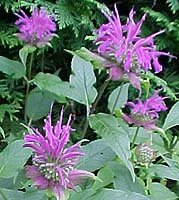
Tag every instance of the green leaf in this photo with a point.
(107, 127)
(12, 68)
(82, 81)
(52, 84)
(87, 55)
(108, 194)
(159, 191)
(23, 53)
(106, 177)
(84, 195)
(80, 87)
(123, 179)
(172, 118)
(31, 195)
(13, 158)
(6, 194)
(17, 195)
(164, 171)
(97, 154)
(118, 97)
(38, 104)
(17, 182)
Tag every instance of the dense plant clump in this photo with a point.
(110, 68)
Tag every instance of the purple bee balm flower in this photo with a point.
(145, 114)
(123, 48)
(37, 29)
(54, 164)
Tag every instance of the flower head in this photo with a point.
(125, 51)
(145, 114)
(53, 163)
(37, 29)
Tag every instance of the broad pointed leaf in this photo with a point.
(12, 68)
(82, 81)
(38, 104)
(13, 158)
(118, 97)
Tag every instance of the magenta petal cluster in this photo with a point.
(36, 30)
(53, 163)
(145, 114)
(126, 52)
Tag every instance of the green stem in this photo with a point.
(30, 121)
(85, 128)
(30, 66)
(3, 195)
(134, 139)
(118, 95)
(26, 96)
(42, 60)
(101, 91)
(148, 183)
(27, 79)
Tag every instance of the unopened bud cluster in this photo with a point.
(145, 153)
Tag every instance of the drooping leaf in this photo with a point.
(118, 97)
(38, 104)
(82, 81)
(172, 118)
(12, 68)
(97, 153)
(107, 127)
(13, 158)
